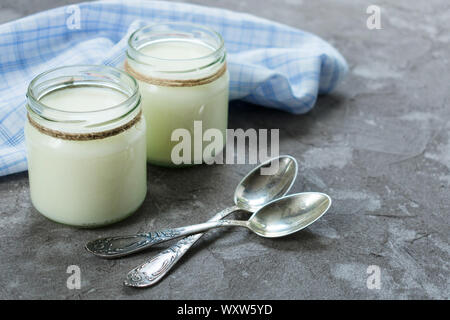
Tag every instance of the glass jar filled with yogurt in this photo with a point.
(86, 144)
(182, 75)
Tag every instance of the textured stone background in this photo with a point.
(380, 146)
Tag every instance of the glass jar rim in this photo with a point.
(87, 67)
(72, 76)
(133, 52)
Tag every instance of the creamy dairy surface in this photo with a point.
(83, 98)
(168, 108)
(87, 183)
(176, 49)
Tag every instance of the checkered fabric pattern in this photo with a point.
(270, 64)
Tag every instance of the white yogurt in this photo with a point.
(83, 99)
(86, 183)
(168, 107)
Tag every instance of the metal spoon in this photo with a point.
(278, 218)
(255, 190)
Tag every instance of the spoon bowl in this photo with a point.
(267, 182)
(289, 214)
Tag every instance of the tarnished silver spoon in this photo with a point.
(278, 218)
(255, 190)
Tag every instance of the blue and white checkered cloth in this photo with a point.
(270, 64)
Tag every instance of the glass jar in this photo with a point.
(183, 79)
(86, 145)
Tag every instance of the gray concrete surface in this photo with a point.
(380, 146)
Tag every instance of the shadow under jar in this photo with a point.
(183, 78)
(86, 145)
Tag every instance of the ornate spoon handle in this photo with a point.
(120, 246)
(157, 267)
(116, 247)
